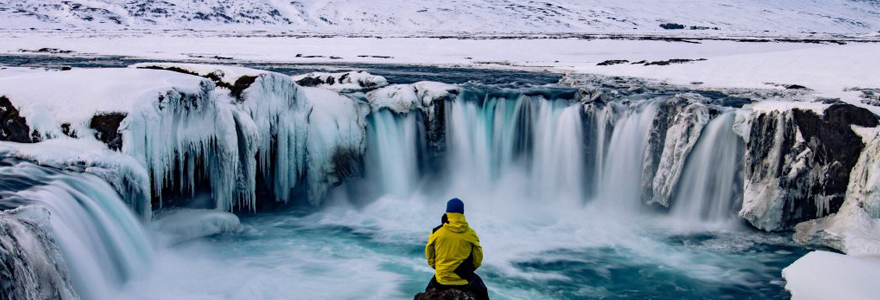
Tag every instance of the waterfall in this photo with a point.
(101, 240)
(621, 175)
(711, 185)
(392, 156)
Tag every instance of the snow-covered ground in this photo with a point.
(822, 275)
(428, 16)
(828, 69)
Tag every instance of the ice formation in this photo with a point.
(182, 224)
(157, 132)
(186, 130)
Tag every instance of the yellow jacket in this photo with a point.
(454, 251)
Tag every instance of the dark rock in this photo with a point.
(612, 62)
(813, 173)
(795, 87)
(13, 127)
(106, 126)
(672, 26)
(241, 84)
(836, 148)
(450, 294)
(310, 81)
(673, 61)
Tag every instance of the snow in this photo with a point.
(827, 69)
(432, 17)
(401, 98)
(183, 224)
(344, 81)
(48, 99)
(227, 74)
(822, 275)
(127, 176)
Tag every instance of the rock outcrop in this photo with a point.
(450, 294)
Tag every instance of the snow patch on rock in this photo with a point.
(341, 82)
(183, 224)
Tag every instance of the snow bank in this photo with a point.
(49, 99)
(224, 73)
(183, 224)
(402, 98)
(341, 82)
(822, 275)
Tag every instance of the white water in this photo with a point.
(519, 162)
(101, 240)
(708, 187)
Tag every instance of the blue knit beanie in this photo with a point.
(455, 206)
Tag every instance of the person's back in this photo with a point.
(454, 252)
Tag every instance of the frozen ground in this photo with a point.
(829, 69)
(420, 16)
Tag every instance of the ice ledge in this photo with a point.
(822, 275)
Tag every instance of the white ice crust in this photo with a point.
(173, 119)
(402, 98)
(822, 275)
(183, 224)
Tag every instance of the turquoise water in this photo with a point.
(302, 254)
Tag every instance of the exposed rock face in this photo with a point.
(106, 126)
(450, 294)
(797, 163)
(855, 228)
(13, 127)
(674, 133)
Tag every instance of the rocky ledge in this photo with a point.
(452, 294)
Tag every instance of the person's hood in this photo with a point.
(457, 222)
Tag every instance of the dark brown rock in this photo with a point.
(450, 294)
(106, 126)
(13, 127)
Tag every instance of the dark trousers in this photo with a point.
(475, 285)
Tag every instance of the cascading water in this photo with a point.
(554, 185)
(101, 240)
(621, 174)
(711, 184)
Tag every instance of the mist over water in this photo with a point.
(552, 187)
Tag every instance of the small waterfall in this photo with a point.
(392, 152)
(621, 175)
(101, 240)
(710, 186)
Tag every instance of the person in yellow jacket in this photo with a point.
(454, 252)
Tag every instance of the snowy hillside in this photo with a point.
(452, 16)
